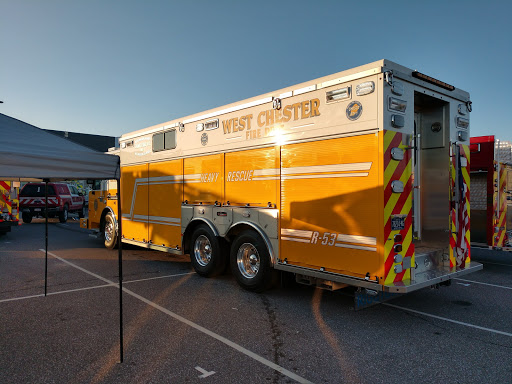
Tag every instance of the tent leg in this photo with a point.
(120, 262)
(46, 237)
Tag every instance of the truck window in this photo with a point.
(36, 190)
(164, 141)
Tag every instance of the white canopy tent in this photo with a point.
(28, 153)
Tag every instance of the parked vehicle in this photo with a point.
(9, 214)
(62, 199)
(359, 178)
(491, 192)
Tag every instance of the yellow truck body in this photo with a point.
(358, 178)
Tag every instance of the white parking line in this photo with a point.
(220, 338)
(449, 320)
(58, 293)
(94, 287)
(479, 282)
(158, 277)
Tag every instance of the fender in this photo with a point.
(261, 233)
(113, 215)
(204, 220)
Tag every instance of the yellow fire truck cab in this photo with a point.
(359, 178)
(9, 205)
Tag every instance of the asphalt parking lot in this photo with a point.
(181, 328)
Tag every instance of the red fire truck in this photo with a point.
(491, 192)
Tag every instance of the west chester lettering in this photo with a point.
(266, 119)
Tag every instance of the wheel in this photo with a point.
(81, 212)
(206, 252)
(63, 216)
(110, 232)
(27, 217)
(250, 262)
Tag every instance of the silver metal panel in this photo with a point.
(268, 219)
(222, 222)
(153, 246)
(431, 277)
(350, 280)
(187, 213)
(435, 185)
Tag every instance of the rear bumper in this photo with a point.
(431, 277)
(5, 226)
(34, 211)
(425, 279)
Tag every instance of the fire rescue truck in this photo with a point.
(356, 179)
(9, 205)
(491, 192)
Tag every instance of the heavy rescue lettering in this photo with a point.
(268, 120)
(209, 177)
(240, 175)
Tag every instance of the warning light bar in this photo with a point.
(431, 80)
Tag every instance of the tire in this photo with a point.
(63, 216)
(250, 263)
(206, 253)
(26, 217)
(81, 212)
(110, 232)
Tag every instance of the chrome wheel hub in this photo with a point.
(109, 231)
(248, 260)
(202, 250)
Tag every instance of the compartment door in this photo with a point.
(331, 205)
(165, 182)
(134, 200)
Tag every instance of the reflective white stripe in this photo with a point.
(357, 239)
(227, 110)
(155, 180)
(162, 223)
(168, 219)
(144, 219)
(192, 176)
(302, 126)
(163, 182)
(159, 218)
(265, 178)
(355, 247)
(331, 176)
(296, 232)
(266, 172)
(300, 91)
(328, 168)
(295, 239)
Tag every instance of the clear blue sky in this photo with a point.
(112, 67)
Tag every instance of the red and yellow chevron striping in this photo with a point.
(460, 251)
(500, 208)
(397, 204)
(8, 205)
